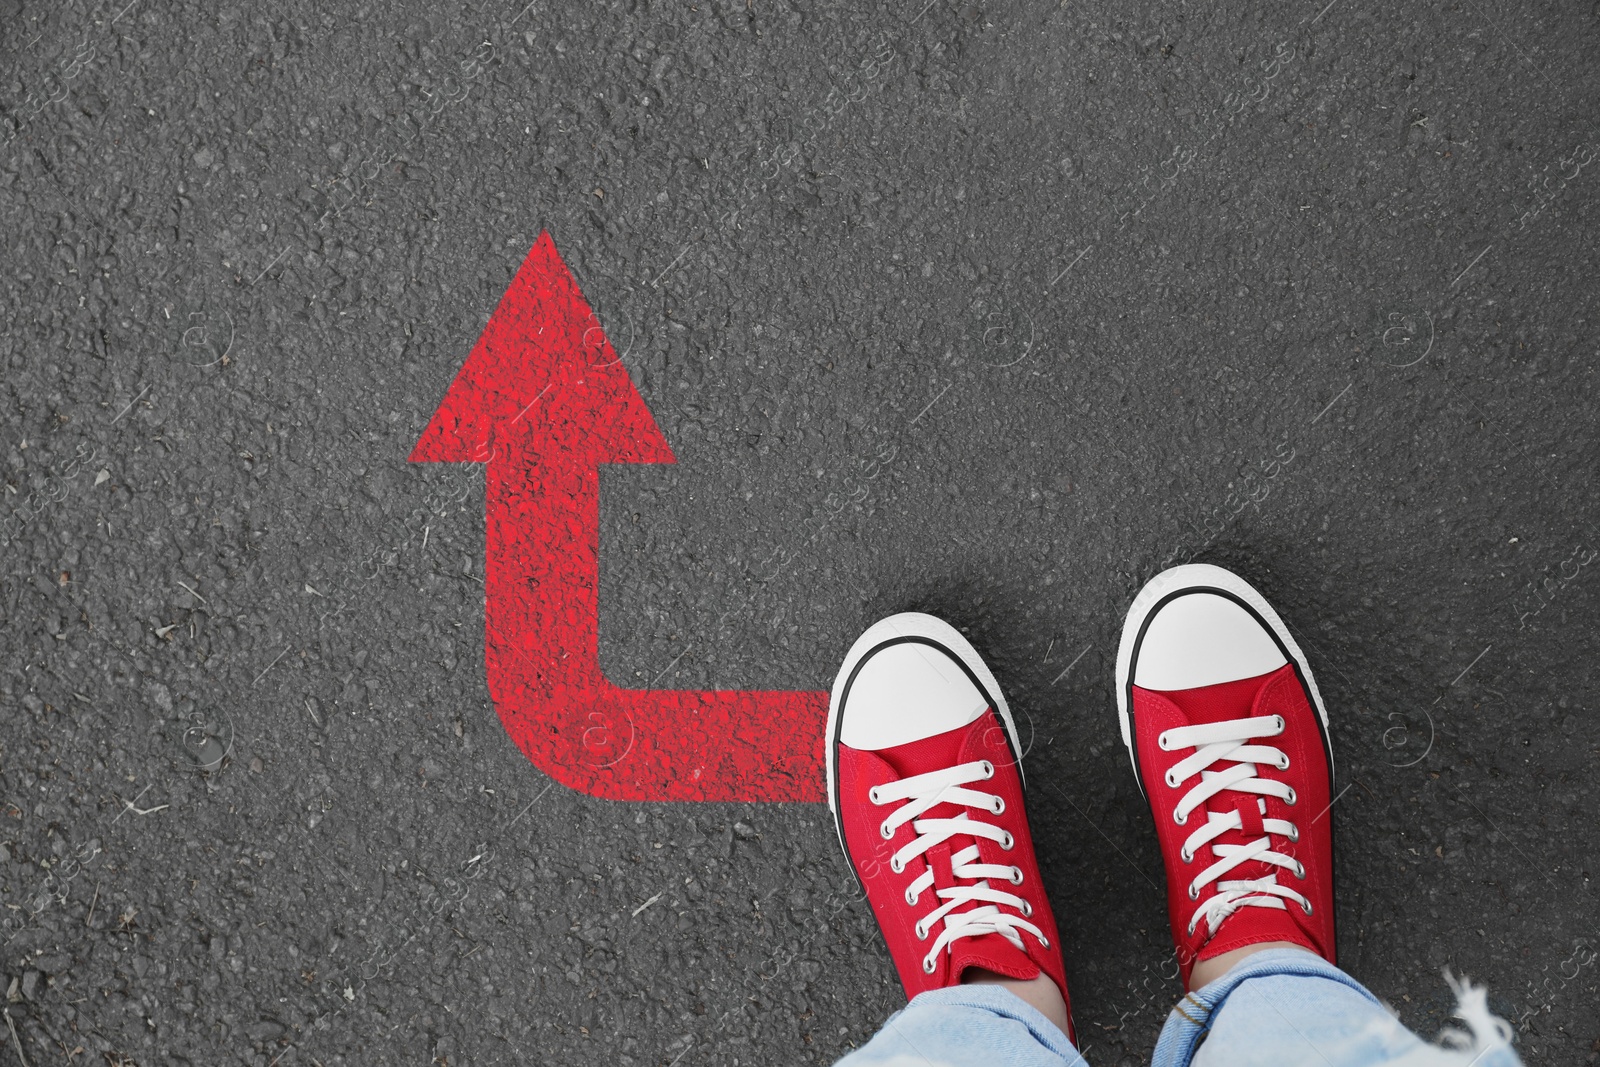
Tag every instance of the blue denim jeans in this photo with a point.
(1279, 1008)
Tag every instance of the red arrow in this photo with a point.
(544, 400)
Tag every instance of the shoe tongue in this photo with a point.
(1221, 702)
(1264, 924)
(931, 754)
(928, 754)
(991, 952)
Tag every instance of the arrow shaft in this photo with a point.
(542, 650)
(542, 573)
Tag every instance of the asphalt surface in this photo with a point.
(986, 309)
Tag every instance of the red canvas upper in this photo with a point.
(1278, 692)
(859, 771)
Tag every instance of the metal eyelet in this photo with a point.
(1307, 906)
(922, 932)
(883, 828)
(1185, 855)
(1161, 742)
(896, 866)
(911, 898)
(1179, 819)
(1045, 941)
(1299, 870)
(1027, 910)
(1008, 842)
(1194, 893)
(872, 795)
(928, 966)
(1172, 780)
(999, 805)
(1016, 876)
(1284, 764)
(988, 769)
(1292, 797)
(1294, 832)
(1280, 723)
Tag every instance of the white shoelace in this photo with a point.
(923, 792)
(1225, 742)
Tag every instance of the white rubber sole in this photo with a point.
(912, 624)
(1198, 577)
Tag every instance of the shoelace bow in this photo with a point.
(920, 794)
(1225, 742)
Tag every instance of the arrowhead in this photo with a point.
(543, 371)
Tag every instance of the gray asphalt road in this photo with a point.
(985, 309)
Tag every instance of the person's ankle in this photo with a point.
(1039, 993)
(1209, 970)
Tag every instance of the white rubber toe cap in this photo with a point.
(906, 692)
(910, 676)
(1202, 638)
(1197, 625)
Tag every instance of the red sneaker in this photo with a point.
(1229, 741)
(926, 790)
